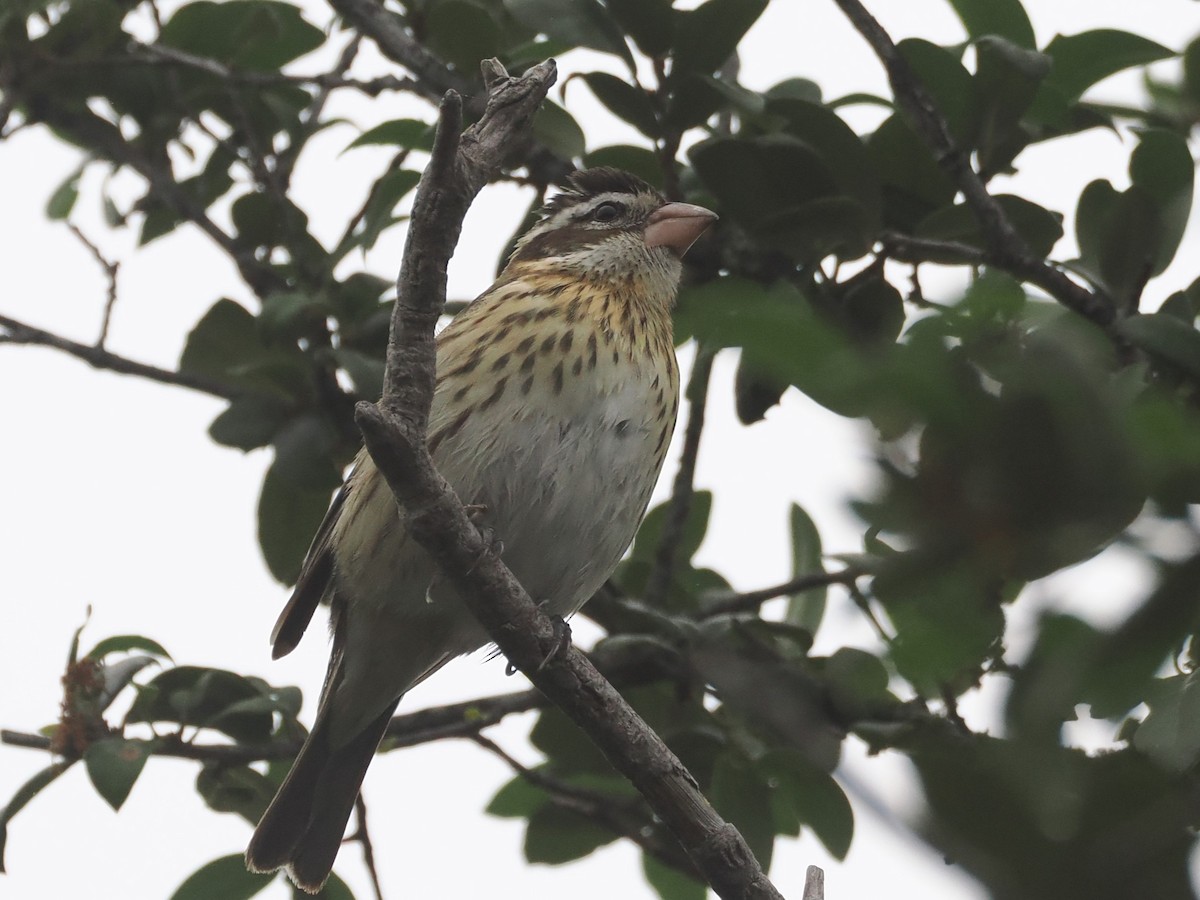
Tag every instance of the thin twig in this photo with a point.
(111, 268)
(814, 884)
(1006, 248)
(752, 600)
(617, 814)
(395, 431)
(363, 836)
(658, 584)
(96, 356)
(161, 54)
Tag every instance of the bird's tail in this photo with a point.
(303, 827)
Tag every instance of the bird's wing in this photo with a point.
(315, 578)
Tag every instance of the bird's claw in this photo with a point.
(562, 641)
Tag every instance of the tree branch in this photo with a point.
(752, 600)
(395, 434)
(1006, 248)
(96, 356)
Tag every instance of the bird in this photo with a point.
(556, 396)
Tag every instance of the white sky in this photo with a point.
(112, 495)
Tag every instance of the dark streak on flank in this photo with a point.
(527, 364)
(662, 439)
(526, 344)
(573, 308)
(577, 366)
(568, 338)
(527, 384)
(557, 375)
(460, 393)
(494, 397)
(548, 343)
(501, 362)
(592, 350)
(450, 430)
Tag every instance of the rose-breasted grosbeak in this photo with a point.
(556, 398)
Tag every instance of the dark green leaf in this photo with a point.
(651, 23)
(871, 312)
(1006, 18)
(288, 517)
(335, 889)
(1047, 687)
(948, 82)
(914, 185)
(303, 453)
(114, 764)
(518, 799)
(380, 210)
(253, 34)
(248, 422)
(624, 100)
(1081, 60)
(805, 609)
(816, 797)
(705, 37)
(558, 130)
(555, 835)
(226, 878)
(235, 789)
(117, 676)
(671, 884)
(1166, 338)
(1006, 81)
(645, 547)
(366, 372)
(1162, 166)
(123, 643)
(1170, 734)
(226, 336)
(62, 201)
(1040, 227)
(580, 23)
(740, 794)
(462, 32)
(412, 134)
(857, 684)
(24, 794)
(755, 391)
(640, 161)
(203, 697)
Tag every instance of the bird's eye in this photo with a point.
(607, 211)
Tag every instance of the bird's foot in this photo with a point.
(562, 639)
(491, 544)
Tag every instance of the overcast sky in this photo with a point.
(112, 495)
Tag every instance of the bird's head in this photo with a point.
(607, 225)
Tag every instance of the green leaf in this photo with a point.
(914, 185)
(235, 789)
(1162, 166)
(335, 889)
(204, 697)
(1170, 734)
(411, 134)
(124, 643)
(555, 835)
(380, 210)
(649, 535)
(580, 23)
(705, 37)
(303, 453)
(814, 795)
(1166, 338)
(248, 422)
(755, 391)
(1006, 18)
(252, 34)
(1082, 60)
(651, 23)
(1040, 227)
(365, 371)
(62, 201)
(227, 878)
(806, 608)
(226, 336)
(640, 161)
(24, 794)
(948, 82)
(517, 799)
(624, 100)
(114, 764)
(741, 796)
(671, 884)
(462, 32)
(558, 130)
(117, 676)
(288, 517)
(1006, 81)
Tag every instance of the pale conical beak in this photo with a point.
(677, 225)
